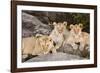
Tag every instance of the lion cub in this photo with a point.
(57, 34)
(78, 36)
(38, 45)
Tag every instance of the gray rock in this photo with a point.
(33, 25)
(55, 57)
(26, 32)
(66, 48)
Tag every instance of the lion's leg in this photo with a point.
(87, 47)
(72, 43)
(58, 45)
(54, 50)
(24, 54)
(81, 47)
(75, 46)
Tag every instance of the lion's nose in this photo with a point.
(54, 43)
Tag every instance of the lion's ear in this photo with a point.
(80, 25)
(65, 23)
(54, 23)
(71, 26)
(38, 35)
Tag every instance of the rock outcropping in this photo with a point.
(32, 25)
(60, 56)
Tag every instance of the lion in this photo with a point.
(57, 34)
(38, 45)
(46, 44)
(78, 38)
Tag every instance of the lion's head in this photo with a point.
(76, 29)
(60, 27)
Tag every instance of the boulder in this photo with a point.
(66, 48)
(31, 25)
(55, 57)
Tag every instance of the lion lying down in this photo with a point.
(39, 45)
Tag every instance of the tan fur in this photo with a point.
(76, 35)
(84, 40)
(57, 34)
(28, 45)
(37, 45)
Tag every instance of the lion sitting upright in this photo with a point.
(78, 38)
(57, 34)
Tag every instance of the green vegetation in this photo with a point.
(72, 18)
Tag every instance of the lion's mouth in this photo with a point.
(60, 30)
